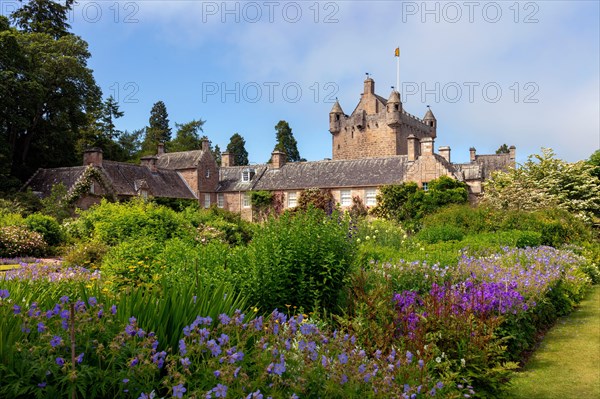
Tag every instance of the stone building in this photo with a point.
(378, 144)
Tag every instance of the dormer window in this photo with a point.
(247, 175)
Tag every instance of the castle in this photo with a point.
(378, 144)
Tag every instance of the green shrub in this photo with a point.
(529, 239)
(11, 219)
(301, 259)
(88, 254)
(47, 226)
(435, 234)
(19, 241)
(131, 263)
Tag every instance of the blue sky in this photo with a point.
(521, 73)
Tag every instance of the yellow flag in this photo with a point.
(397, 52)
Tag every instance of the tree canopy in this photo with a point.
(187, 137)
(237, 149)
(158, 130)
(286, 142)
(545, 181)
(46, 91)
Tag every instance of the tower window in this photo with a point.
(337, 117)
(425, 186)
(396, 107)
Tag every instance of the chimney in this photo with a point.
(277, 159)
(472, 154)
(161, 149)
(426, 146)
(445, 152)
(92, 156)
(227, 159)
(369, 87)
(149, 161)
(205, 145)
(512, 155)
(413, 147)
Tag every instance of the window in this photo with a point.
(371, 196)
(246, 200)
(144, 194)
(220, 200)
(207, 200)
(207, 174)
(248, 174)
(425, 187)
(292, 200)
(345, 198)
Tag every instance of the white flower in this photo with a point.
(438, 359)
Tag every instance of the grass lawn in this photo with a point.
(567, 363)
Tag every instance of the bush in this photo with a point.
(19, 241)
(301, 260)
(87, 254)
(131, 263)
(47, 226)
(529, 239)
(435, 234)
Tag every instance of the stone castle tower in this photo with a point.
(377, 127)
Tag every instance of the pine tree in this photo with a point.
(217, 154)
(158, 130)
(237, 149)
(187, 137)
(503, 149)
(287, 143)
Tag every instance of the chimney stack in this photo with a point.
(512, 155)
(426, 146)
(277, 159)
(205, 145)
(149, 161)
(445, 152)
(227, 159)
(413, 148)
(473, 156)
(92, 156)
(161, 149)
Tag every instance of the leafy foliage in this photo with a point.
(187, 137)
(19, 241)
(47, 226)
(286, 142)
(545, 181)
(158, 130)
(237, 150)
(319, 198)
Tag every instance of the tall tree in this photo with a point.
(158, 130)
(217, 154)
(102, 132)
(131, 144)
(44, 16)
(46, 88)
(237, 149)
(110, 112)
(287, 143)
(187, 137)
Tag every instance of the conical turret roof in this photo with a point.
(394, 97)
(337, 108)
(429, 115)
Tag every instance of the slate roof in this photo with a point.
(179, 160)
(367, 172)
(126, 179)
(43, 179)
(230, 178)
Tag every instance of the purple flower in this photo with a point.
(178, 391)
(224, 319)
(113, 309)
(79, 358)
(185, 362)
(41, 327)
(16, 309)
(255, 395)
(92, 301)
(125, 380)
(343, 358)
(42, 385)
(217, 373)
(220, 391)
(60, 361)
(64, 299)
(4, 294)
(134, 362)
(100, 313)
(55, 341)
(182, 347)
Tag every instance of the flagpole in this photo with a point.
(398, 71)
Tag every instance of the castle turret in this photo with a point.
(430, 120)
(394, 109)
(335, 117)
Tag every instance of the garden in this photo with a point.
(422, 296)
